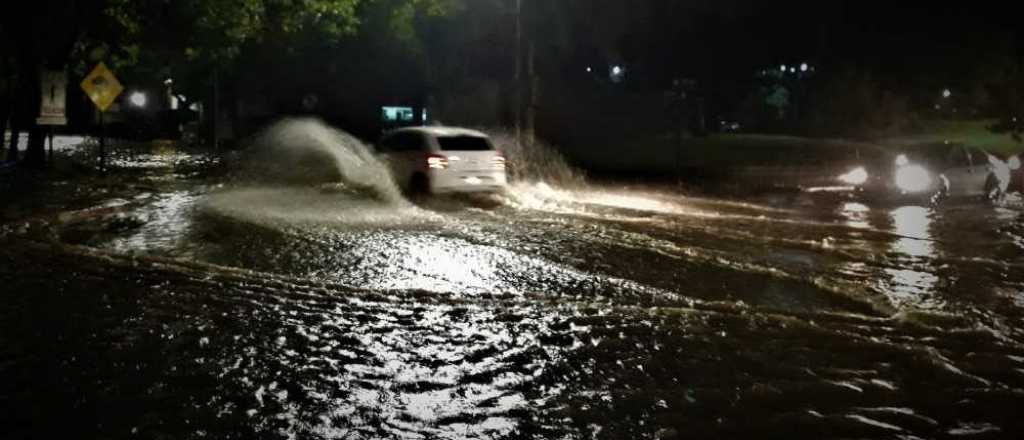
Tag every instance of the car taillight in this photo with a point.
(437, 162)
(499, 161)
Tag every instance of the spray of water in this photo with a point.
(536, 162)
(298, 208)
(302, 173)
(540, 177)
(308, 152)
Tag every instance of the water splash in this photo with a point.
(300, 172)
(535, 162)
(306, 151)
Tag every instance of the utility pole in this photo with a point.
(519, 72)
(216, 109)
(103, 146)
(531, 90)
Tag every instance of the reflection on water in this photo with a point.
(910, 286)
(432, 266)
(912, 283)
(542, 197)
(349, 368)
(856, 215)
(913, 223)
(165, 225)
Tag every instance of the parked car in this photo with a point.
(929, 174)
(434, 160)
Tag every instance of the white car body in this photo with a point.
(973, 172)
(960, 172)
(439, 160)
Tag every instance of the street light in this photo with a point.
(618, 72)
(138, 99)
(947, 93)
(804, 67)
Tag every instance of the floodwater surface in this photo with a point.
(551, 311)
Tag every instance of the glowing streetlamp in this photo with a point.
(138, 99)
(618, 72)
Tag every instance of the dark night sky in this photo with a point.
(723, 44)
(884, 36)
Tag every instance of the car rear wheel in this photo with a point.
(419, 185)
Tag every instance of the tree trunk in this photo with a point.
(519, 73)
(5, 113)
(9, 111)
(215, 125)
(35, 153)
(14, 115)
(12, 148)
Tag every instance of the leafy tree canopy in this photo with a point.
(188, 39)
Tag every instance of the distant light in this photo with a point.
(590, 69)
(947, 93)
(424, 116)
(792, 70)
(138, 99)
(804, 67)
(783, 68)
(902, 160)
(858, 176)
(168, 81)
(618, 72)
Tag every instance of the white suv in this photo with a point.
(443, 160)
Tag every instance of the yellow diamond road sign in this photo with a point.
(102, 87)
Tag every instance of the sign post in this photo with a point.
(103, 88)
(53, 108)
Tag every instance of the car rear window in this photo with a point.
(463, 143)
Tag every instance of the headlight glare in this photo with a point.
(857, 176)
(913, 179)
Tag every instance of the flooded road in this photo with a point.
(549, 312)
